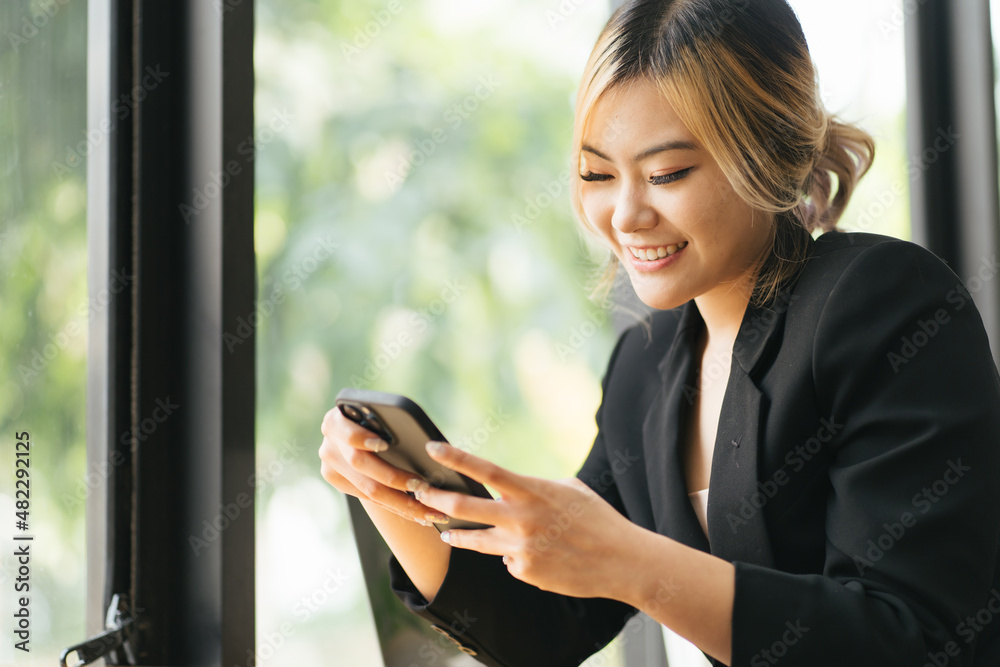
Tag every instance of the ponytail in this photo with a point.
(846, 153)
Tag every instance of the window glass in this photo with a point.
(995, 30)
(44, 313)
(858, 48)
(414, 235)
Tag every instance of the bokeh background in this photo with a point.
(413, 234)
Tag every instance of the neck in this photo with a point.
(722, 309)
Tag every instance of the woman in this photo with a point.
(822, 496)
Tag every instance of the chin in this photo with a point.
(659, 299)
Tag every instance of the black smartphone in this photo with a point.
(407, 429)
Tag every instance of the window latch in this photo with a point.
(113, 644)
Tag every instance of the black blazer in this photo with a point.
(854, 483)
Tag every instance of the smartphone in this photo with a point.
(407, 429)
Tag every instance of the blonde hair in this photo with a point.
(739, 76)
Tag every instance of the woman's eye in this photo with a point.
(591, 176)
(670, 178)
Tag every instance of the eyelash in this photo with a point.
(655, 180)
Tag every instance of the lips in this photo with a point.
(654, 253)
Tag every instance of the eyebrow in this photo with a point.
(674, 145)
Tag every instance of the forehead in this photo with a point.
(632, 114)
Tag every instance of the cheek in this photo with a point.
(598, 211)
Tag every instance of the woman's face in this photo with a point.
(662, 204)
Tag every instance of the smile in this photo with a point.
(653, 254)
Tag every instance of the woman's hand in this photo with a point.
(557, 535)
(351, 466)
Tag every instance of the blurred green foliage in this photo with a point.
(414, 221)
(43, 307)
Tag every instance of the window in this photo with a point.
(414, 234)
(44, 319)
(861, 62)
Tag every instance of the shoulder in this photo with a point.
(851, 254)
(849, 269)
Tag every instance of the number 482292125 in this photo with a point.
(22, 464)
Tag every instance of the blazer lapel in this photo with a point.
(736, 526)
(661, 436)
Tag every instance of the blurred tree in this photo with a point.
(44, 311)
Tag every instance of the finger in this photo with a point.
(461, 505)
(338, 427)
(485, 540)
(398, 501)
(372, 466)
(416, 519)
(506, 483)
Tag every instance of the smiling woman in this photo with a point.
(769, 508)
(641, 168)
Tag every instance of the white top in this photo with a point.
(681, 652)
(699, 499)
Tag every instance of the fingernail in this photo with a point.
(446, 536)
(422, 488)
(435, 447)
(413, 484)
(436, 517)
(376, 445)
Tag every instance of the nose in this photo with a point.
(632, 211)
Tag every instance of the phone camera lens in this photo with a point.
(351, 412)
(373, 423)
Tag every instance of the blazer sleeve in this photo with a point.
(508, 623)
(902, 365)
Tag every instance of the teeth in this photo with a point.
(650, 254)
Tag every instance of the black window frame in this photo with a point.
(170, 407)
